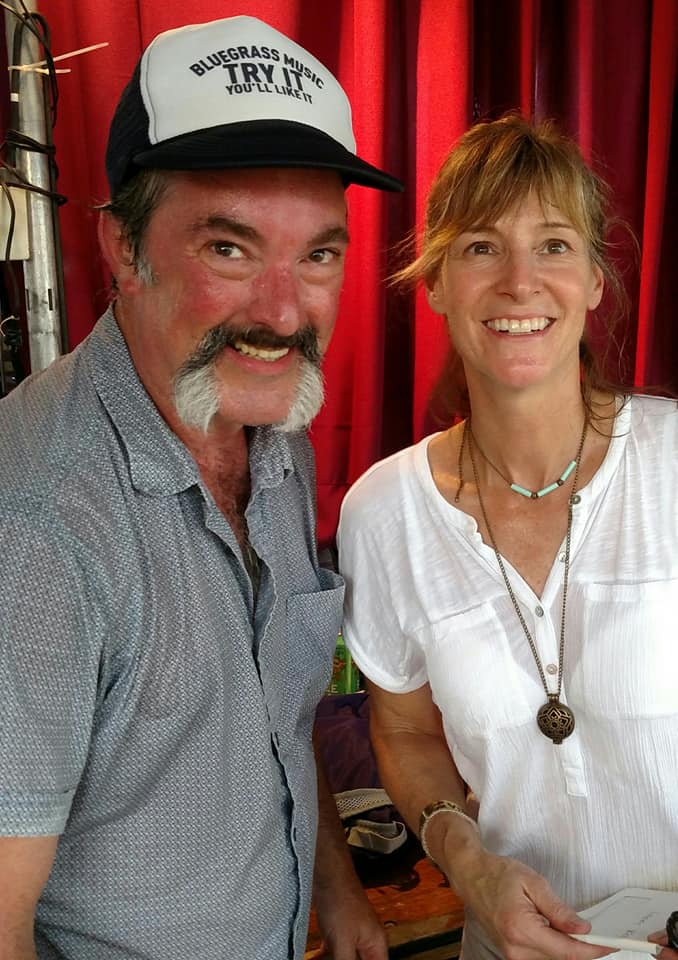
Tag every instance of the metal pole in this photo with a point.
(43, 284)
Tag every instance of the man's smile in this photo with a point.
(269, 354)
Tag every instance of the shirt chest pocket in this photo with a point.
(628, 650)
(313, 622)
(475, 678)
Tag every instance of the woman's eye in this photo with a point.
(480, 248)
(556, 246)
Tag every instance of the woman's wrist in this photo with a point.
(446, 831)
(462, 856)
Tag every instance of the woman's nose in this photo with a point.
(519, 277)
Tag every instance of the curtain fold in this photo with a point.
(443, 106)
(584, 41)
(653, 365)
(418, 72)
(529, 31)
(348, 429)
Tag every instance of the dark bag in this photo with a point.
(343, 737)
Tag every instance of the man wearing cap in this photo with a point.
(166, 630)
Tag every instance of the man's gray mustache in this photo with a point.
(218, 338)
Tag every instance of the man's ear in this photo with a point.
(117, 251)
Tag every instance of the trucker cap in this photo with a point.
(233, 93)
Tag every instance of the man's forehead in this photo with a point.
(218, 223)
(250, 202)
(230, 192)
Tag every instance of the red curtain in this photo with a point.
(417, 72)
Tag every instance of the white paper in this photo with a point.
(631, 914)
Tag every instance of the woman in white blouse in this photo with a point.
(513, 580)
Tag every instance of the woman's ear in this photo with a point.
(434, 295)
(597, 288)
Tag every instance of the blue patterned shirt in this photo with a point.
(151, 713)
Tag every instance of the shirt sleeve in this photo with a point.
(378, 612)
(48, 676)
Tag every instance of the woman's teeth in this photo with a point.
(261, 353)
(511, 325)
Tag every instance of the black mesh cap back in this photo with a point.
(128, 134)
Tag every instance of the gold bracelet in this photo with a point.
(432, 810)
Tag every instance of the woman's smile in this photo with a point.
(516, 325)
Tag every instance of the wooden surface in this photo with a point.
(411, 898)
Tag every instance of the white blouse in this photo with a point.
(426, 603)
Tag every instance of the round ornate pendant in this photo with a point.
(555, 719)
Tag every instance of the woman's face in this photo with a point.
(515, 294)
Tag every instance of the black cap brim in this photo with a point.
(263, 143)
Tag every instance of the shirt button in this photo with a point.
(539, 611)
(551, 668)
(576, 499)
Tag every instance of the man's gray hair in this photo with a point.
(196, 396)
(133, 207)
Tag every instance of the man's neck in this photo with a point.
(223, 461)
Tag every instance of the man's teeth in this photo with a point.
(261, 353)
(511, 325)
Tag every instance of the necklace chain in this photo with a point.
(524, 491)
(554, 699)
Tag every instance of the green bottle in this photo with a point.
(345, 674)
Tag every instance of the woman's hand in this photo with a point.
(518, 910)
(515, 906)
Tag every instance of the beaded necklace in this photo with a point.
(523, 491)
(554, 719)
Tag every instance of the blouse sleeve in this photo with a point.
(378, 610)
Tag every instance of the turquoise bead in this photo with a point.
(534, 495)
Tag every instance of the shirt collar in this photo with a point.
(270, 458)
(160, 463)
(615, 451)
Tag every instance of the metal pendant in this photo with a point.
(555, 719)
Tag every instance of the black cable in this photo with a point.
(12, 341)
(11, 336)
(23, 141)
(36, 24)
(15, 140)
(12, 219)
(22, 184)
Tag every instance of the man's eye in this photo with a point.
(556, 246)
(323, 255)
(229, 250)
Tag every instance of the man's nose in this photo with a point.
(277, 301)
(520, 276)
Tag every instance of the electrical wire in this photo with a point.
(11, 302)
(7, 193)
(11, 340)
